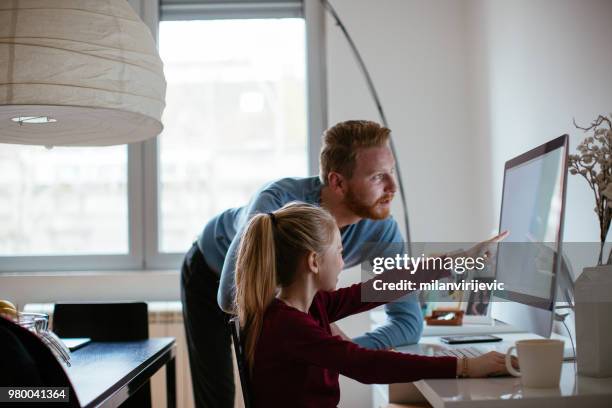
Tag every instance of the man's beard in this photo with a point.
(363, 210)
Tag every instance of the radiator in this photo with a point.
(166, 320)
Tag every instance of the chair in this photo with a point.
(114, 321)
(243, 370)
(27, 362)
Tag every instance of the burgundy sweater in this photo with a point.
(298, 360)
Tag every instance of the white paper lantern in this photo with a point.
(77, 73)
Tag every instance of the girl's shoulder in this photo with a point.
(280, 316)
(285, 326)
(279, 310)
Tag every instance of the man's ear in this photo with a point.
(336, 182)
(313, 262)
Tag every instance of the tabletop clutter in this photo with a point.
(37, 323)
(445, 317)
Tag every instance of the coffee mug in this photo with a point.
(540, 362)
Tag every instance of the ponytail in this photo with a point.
(255, 279)
(270, 249)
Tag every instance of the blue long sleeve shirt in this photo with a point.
(221, 236)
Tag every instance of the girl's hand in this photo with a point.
(492, 363)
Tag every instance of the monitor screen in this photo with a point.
(531, 212)
(527, 260)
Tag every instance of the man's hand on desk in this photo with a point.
(487, 365)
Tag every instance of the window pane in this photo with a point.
(63, 201)
(235, 117)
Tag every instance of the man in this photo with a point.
(356, 185)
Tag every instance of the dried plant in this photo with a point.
(594, 163)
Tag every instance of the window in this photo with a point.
(63, 201)
(236, 117)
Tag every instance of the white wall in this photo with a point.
(535, 66)
(466, 86)
(417, 54)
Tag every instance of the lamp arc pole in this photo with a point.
(381, 112)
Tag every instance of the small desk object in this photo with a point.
(573, 390)
(105, 374)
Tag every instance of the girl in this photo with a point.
(286, 274)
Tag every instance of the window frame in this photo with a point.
(143, 170)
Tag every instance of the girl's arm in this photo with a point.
(344, 302)
(309, 343)
(347, 301)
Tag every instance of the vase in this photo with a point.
(593, 299)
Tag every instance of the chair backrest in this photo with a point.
(243, 369)
(106, 321)
(26, 361)
(114, 321)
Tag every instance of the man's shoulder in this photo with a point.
(386, 223)
(293, 189)
(386, 230)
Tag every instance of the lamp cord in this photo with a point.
(379, 107)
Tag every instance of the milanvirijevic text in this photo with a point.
(458, 264)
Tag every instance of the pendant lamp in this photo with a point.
(77, 73)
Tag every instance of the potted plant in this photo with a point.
(594, 163)
(593, 288)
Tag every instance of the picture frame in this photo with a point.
(478, 305)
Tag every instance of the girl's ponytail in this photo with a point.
(270, 250)
(255, 279)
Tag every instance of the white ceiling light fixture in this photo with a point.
(77, 73)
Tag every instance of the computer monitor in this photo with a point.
(532, 209)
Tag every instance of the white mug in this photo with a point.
(540, 362)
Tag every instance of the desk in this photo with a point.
(107, 373)
(378, 318)
(573, 391)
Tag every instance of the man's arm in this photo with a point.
(227, 282)
(264, 202)
(404, 325)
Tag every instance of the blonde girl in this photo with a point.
(286, 273)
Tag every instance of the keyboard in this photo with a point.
(461, 352)
(568, 353)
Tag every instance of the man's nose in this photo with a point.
(391, 184)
